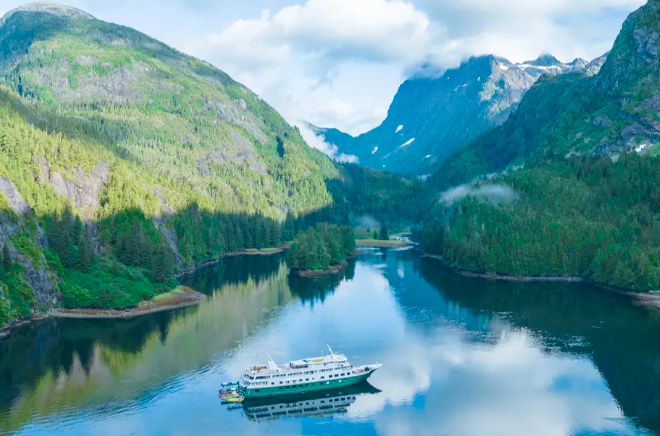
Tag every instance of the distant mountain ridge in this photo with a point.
(331, 135)
(614, 111)
(430, 118)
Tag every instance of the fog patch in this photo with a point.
(318, 142)
(368, 222)
(494, 194)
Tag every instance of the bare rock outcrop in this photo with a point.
(16, 201)
(83, 189)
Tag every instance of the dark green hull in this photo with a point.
(357, 389)
(304, 388)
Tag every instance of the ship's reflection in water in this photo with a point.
(313, 404)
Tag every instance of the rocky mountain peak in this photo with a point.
(432, 116)
(545, 60)
(52, 8)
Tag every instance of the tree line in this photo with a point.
(588, 217)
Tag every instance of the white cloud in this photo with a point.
(522, 29)
(376, 29)
(481, 390)
(330, 62)
(338, 63)
(319, 143)
(493, 193)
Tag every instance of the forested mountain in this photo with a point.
(577, 189)
(432, 117)
(123, 160)
(613, 111)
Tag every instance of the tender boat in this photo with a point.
(298, 377)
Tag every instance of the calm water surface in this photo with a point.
(461, 357)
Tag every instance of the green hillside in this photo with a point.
(568, 185)
(586, 217)
(122, 159)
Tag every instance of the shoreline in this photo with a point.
(212, 262)
(381, 244)
(5, 331)
(646, 298)
(178, 298)
(334, 269)
(147, 308)
(173, 300)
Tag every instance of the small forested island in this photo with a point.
(321, 250)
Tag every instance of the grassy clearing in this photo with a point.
(174, 297)
(263, 250)
(379, 243)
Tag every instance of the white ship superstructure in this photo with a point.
(302, 376)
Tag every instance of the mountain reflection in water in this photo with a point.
(460, 356)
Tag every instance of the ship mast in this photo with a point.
(271, 362)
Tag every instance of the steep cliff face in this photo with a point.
(15, 217)
(430, 118)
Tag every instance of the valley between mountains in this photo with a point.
(124, 161)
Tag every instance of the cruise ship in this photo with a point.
(299, 377)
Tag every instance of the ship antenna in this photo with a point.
(331, 352)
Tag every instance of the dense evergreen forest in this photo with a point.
(319, 247)
(591, 217)
(123, 160)
(108, 186)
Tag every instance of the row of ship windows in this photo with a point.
(293, 381)
(263, 377)
(305, 385)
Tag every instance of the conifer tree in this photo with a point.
(6, 258)
(163, 264)
(322, 256)
(384, 234)
(76, 231)
(238, 239)
(85, 253)
(65, 249)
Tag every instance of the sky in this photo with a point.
(339, 63)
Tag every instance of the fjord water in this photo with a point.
(460, 357)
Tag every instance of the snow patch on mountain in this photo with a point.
(408, 143)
